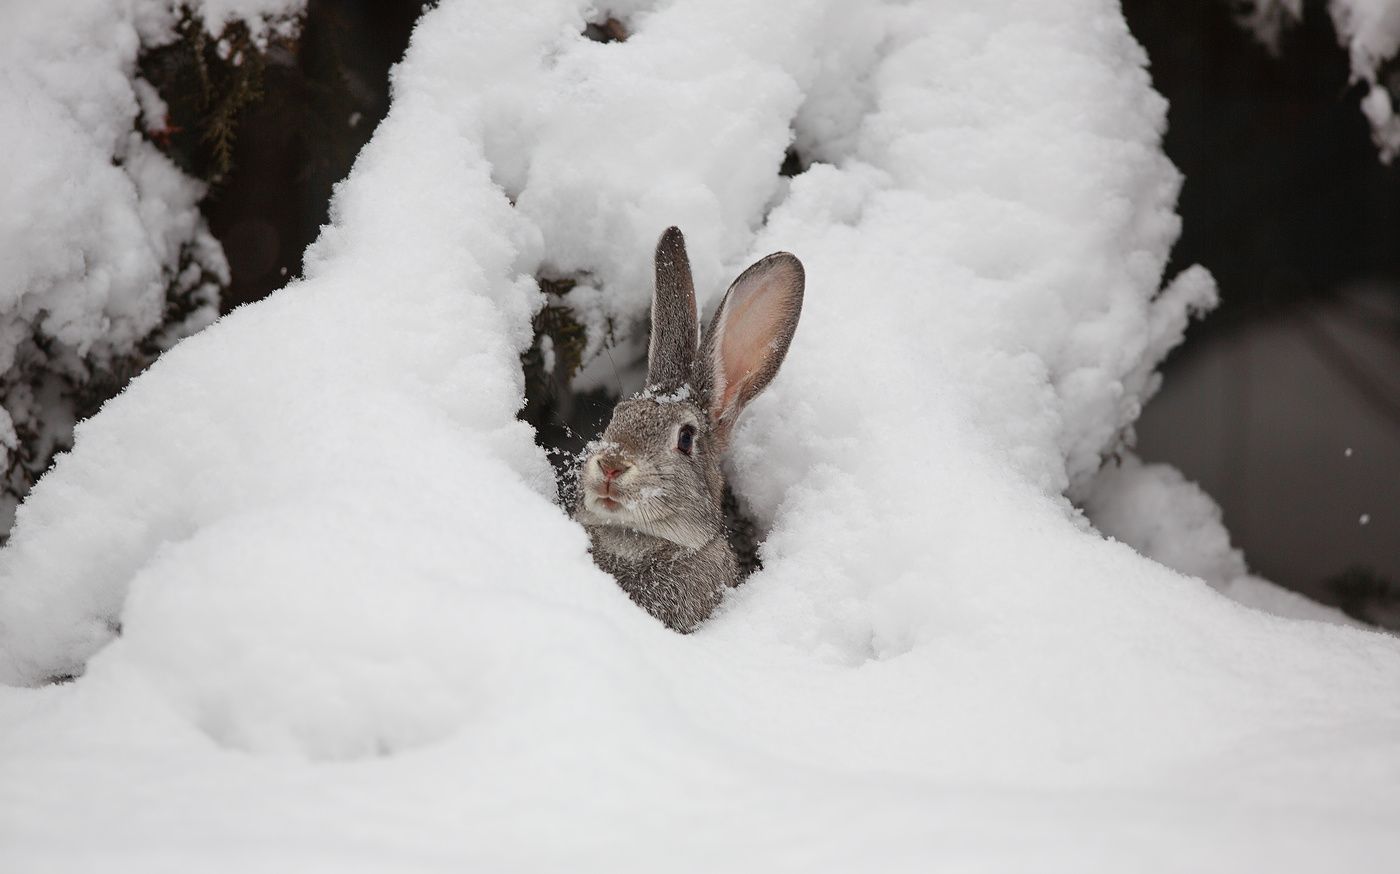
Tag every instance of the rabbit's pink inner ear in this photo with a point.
(752, 332)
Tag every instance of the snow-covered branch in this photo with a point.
(1369, 31)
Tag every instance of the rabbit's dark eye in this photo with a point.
(685, 440)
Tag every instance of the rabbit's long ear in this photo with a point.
(748, 339)
(671, 355)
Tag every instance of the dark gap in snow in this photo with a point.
(793, 164)
(1363, 594)
(275, 133)
(606, 31)
(207, 83)
(1389, 76)
(565, 418)
(742, 532)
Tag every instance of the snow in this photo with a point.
(357, 634)
(1268, 19)
(1154, 509)
(672, 397)
(97, 224)
(1379, 108)
(1370, 32)
(1162, 515)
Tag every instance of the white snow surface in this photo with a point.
(357, 635)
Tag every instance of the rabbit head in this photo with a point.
(656, 469)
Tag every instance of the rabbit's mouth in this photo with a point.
(606, 497)
(607, 494)
(640, 509)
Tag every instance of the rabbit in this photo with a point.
(650, 488)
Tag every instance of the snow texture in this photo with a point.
(356, 633)
(97, 225)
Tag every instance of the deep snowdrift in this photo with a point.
(355, 633)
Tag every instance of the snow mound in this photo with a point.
(342, 555)
(1154, 509)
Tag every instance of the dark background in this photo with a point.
(1284, 404)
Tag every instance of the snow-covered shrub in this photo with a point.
(107, 261)
(1369, 30)
(324, 608)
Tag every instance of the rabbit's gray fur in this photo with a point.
(659, 528)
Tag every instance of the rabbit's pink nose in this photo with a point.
(611, 467)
